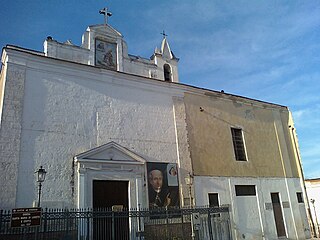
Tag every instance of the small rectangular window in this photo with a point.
(245, 190)
(299, 197)
(238, 144)
(213, 199)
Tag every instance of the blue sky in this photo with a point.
(267, 50)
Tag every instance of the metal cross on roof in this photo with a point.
(164, 34)
(106, 14)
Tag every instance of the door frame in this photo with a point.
(113, 162)
(87, 175)
(280, 209)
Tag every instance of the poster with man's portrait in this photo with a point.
(163, 185)
(106, 54)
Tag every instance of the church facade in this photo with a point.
(111, 128)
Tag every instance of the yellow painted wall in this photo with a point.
(265, 129)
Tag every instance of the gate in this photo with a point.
(101, 224)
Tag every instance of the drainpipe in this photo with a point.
(304, 185)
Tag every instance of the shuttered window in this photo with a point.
(238, 144)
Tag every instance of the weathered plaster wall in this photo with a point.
(252, 217)
(184, 158)
(138, 67)
(67, 52)
(10, 131)
(209, 133)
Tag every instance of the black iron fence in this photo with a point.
(104, 224)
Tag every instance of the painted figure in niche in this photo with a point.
(108, 58)
(106, 54)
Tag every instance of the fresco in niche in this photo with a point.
(106, 54)
(163, 186)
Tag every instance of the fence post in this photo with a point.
(139, 221)
(45, 220)
(193, 235)
(182, 223)
(67, 218)
(88, 222)
(229, 224)
(210, 225)
(1, 219)
(113, 230)
(167, 222)
(36, 233)
(24, 233)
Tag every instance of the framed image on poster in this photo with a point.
(163, 185)
(106, 54)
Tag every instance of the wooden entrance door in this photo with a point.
(108, 224)
(278, 217)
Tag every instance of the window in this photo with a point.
(167, 72)
(299, 197)
(238, 144)
(213, 199)
(245, 190)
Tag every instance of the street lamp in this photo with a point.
(189, 182)
(41, 175)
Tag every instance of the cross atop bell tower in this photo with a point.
(164, 34)
(106, 14)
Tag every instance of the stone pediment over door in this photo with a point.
(109, 162)
(108, 154)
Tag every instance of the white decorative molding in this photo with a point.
(110, 161)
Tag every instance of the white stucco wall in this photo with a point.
(252, 218)
(70, 109)
(10, 131)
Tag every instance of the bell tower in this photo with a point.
(166, 61)
(104, 47)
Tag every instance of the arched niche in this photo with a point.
(167, 72)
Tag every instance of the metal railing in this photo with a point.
(97, 224)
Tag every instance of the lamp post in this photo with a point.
(315, 216)
(41, 175)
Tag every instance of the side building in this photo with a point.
(243, 153)
(105, 124)
(313, 191)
